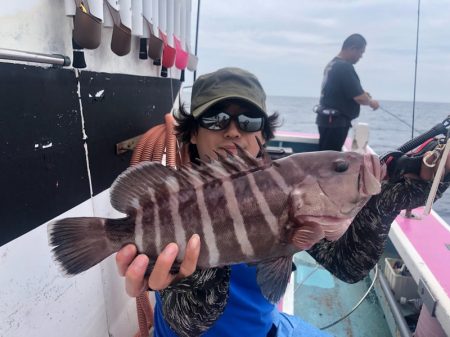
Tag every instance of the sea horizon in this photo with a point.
(378, 99)
(389, 127)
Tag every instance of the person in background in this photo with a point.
(341, 95)
(228, 107)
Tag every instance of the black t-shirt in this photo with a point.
(340, 84)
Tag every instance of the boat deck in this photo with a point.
(424, 245)
(320, 299)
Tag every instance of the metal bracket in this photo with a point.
(410, 215)
(127, 145)
(427, 298)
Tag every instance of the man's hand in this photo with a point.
(374, 104)
(133, 267)
(366, 99)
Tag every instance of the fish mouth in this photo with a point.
(370, 176)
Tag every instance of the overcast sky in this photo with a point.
(287, 43)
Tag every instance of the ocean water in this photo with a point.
(390, 126)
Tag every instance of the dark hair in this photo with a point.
(187, 125)
(356, 41)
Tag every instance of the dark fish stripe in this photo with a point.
(258, 230)
(192, 222)
(165, 216)
(272, 191)
(222, 223)
(148, 223)
(290, 172)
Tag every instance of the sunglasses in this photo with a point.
(220, 120)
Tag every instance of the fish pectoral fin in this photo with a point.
(273, 276)
(307, 231)
(307, 234)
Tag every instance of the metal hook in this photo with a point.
(431, 158)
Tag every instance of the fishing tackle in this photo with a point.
(398, 162)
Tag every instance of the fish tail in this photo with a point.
(81, 243)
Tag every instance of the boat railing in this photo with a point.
(18, 55)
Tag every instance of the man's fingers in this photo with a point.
(160, 277)
(124, 257)
(189, 263)
(134, 267)
(134, 276)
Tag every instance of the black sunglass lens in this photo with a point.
(218, 121)
(250, 124)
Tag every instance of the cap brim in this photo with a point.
(203, 108)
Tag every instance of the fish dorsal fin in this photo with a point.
(152, 177)
(249, 159)
(273, 276)
(264, 155)
(229, 164)
(137, 180)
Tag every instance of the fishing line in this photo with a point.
(306, 277)
(357, 304)
(399, 119)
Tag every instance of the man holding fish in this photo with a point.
(216, 238)
(228, 117)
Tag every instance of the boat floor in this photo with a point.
(320, 299)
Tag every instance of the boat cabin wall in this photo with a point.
(59, 130)
(42, 26)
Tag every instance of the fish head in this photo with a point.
(333, 188)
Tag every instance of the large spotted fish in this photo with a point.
(249, 210)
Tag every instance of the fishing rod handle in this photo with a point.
(415, 142)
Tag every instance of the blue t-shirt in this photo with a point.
(247, 313)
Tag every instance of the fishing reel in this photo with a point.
(409, 157)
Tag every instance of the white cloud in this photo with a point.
(287, 43)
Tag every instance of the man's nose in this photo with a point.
(232, 131)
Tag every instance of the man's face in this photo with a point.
(356, 54)
(208, 141)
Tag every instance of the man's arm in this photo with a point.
(352, 256)
(366, 99)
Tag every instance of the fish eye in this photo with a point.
(341, 165)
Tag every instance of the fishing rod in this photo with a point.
(415, 68)
(196, 34)
(439, 129)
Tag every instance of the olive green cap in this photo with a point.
(224, 84)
